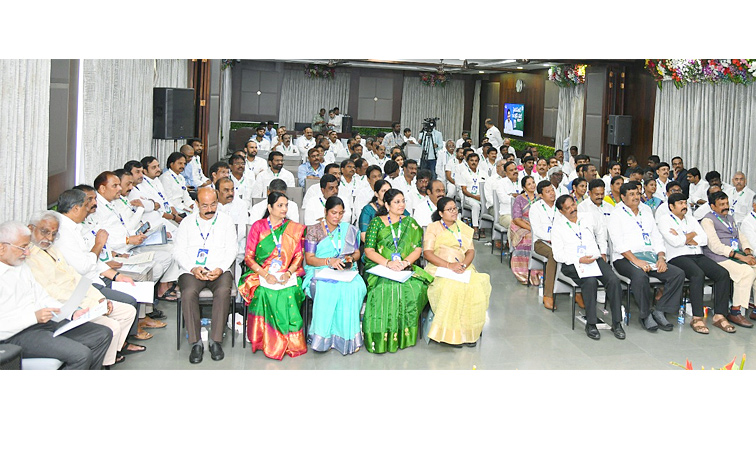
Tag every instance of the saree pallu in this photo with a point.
(274, 319)
(336, 305)
(459, 308)
(392, 310)
(521, 240)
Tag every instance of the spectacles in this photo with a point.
(48, 233)
(23, 249)
(451, 210)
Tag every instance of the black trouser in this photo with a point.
(697, 268)
(673, 280)
(589, 289)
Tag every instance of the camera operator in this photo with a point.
(433, 144)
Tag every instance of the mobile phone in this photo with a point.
(144, 228)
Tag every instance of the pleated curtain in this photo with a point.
(24, 135)
(570, 115)
(224, 128)
(302, 97)
(475, 126)
(420, 101)
(711, 126)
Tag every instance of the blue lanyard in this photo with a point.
(205, 238)
(398, 234)
(640, 214)
(579, 234)
(457, 236)
(120, 218)
(729, 228)
(277, 240)
(340, 247)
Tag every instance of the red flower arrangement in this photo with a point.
(434, 79)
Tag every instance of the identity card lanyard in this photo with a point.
(683, 229)
(735, 202)
(117, 214)
(104, 256)
(474, 187)
(664, 189)
(734, 241)
(277, 263)
(165, 202)
(396, 256)
(177, 181)
(458, 234)
(646, 236)
(581, 248)
(551, 218)
(339, 247)
(203, 252)
(126, 202)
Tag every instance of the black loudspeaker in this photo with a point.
(172, 113)
(346, 124)
(620, 127)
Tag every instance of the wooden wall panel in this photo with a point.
(532, 96)
(640, 103)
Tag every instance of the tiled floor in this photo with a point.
(519, 334)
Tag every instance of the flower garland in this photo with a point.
(683, 72)
(435, 79)
(320, 71)
(567, 75)
(228, 63)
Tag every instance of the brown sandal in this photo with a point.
(724, 325)
(699, 325)
(142, 335)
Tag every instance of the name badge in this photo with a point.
(104, 255)
(548, 230)
(167, 207)
(201, 257)
(474, 190)
(646, 239)
(581, 251)
(397, 257)
(183, 187)
(735, 244)
(275, 265)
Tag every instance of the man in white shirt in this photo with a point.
(175, 184)
(235, 208)
(574, 244)
(487, 165)
(334, 121)
(134, 195)
(26, 311)
(451, 169)
(422, 206)
(555, 176)
(275, 171)
(506, 189)
(258, 210)
(305, 143)
(336, 146)
(442, 158)
(378, 157)
(288, 149)
(615, 169)
(493, 133)
(405, 181)
(541, 168)
(542, 216)
(527, 167)
(741, 197)
(468, 181)
(683, 238)
(662, 171)
(193, 173)
(349, 182)
(599, 211)
(407, 137)
(673, 187)
(461, 140)
(242, 185)
(218, 170)
(365, 192)
(506, 147)
(697, 189)
(705, 209)
(748, 226)
(393, 138)
(638, 252)
(153, 189)
(259, 138)
(206, 246)
(314, 208)
(255, 165)
(133, 212)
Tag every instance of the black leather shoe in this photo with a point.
(157, 315)
(216, 351)
(649, 324)
(592, 331)
(661, 320)
(619, 333)
(196, 355)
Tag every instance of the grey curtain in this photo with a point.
(570, 117)
(224, 127)
(475, 125)
(302, 97)
(25, 128)
(420, 101)
(710, 126)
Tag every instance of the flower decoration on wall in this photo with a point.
(683, 72)
(435, 79)
(228, 63)
(320, 71)
(567, 75)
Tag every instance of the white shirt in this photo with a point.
(314, 209)
(261, 144)
(364, 195)
(560, 190)
(538, 178)
(542, 219)
(350, 188)
(239, 212)
(336, 122)
(258, 210)
(490, 188)
(494, 137)
(521, 174)
(196, 168)
(661, 190)
(627, 235)
(459, 142)
(216, 235)
(409, 139)
(740, 203)
(487, 169)
(567, 236)
(303, 145)
(20, 297)
(175, 189)
(243, 188)
(748, 227)
(153, 189)
(663, 210)
(78, 251)
(254, 167)
(400, 182)
(701, 211)
(289, 151)
(422, 209)
(260, 186)
(697, 192)
(599, 220)
(451, 166)
(675, 244)
(467, 178)
(504, 187)
(131, 215)
(109, 219)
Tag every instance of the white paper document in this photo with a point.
(135, 269)
(447, 273)
(278, 286)
(384, 272)
(587, 270)
(136, 259)
(100, 309)
(345, 276)
(72, 304)
(142, 291)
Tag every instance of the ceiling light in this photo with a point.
(481, 72)
(546, 64)
(519, 67)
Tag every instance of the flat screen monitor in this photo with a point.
(514, 119)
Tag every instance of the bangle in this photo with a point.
(127, 240)
(328, 262)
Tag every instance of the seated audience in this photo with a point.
(175, 184)
(257, 212)
(542, 217)
(422, 206)
(506, 188)
(242, 185)
(275, 171)
(153, 189)
(649, 197)
(468, 181)
(520, 234)
(740, 196)
(371, 209)
(312, 169)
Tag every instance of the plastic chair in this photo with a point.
(498, 231)
(485, 217)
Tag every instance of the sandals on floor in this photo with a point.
(142, 335)
(170, 294)
(148, 322)
(724, 325)
(126, 351)
(699, 325)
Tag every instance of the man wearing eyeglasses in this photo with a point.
(28, 314)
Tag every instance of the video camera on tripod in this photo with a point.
(429, 124)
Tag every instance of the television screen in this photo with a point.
(514, 119)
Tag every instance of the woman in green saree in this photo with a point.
(391, 313)
(274, 255)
